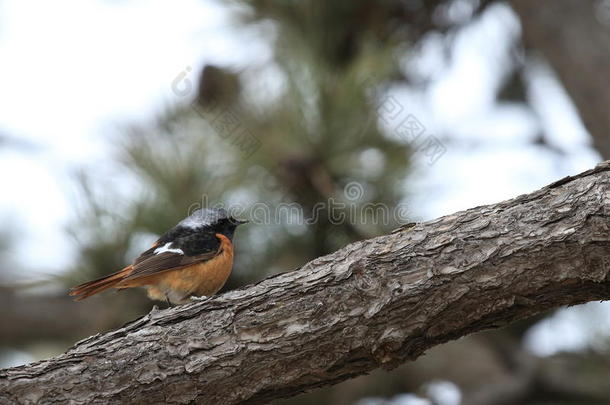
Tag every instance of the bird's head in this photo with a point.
(217, 219)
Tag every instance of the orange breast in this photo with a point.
(201, 279)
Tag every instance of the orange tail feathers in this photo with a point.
(85, 290)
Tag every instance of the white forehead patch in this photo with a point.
(168, 248)
(203, 217)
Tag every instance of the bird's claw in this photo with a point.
(195, 298)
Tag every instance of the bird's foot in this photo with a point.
(196, 298)
(168, 302)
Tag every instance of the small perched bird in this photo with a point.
(192, 259)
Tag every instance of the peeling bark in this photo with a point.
(375, 303)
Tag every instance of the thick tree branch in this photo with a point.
(375, 303)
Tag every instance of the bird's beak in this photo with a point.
(239, 221)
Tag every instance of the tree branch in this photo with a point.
(375, 303)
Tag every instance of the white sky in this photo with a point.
(71, 72)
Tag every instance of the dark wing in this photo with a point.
(178, 248)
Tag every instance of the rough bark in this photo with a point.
(375, 303)
(574, 37)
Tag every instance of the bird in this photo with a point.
(192, 260)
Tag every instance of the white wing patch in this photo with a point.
(167, 248)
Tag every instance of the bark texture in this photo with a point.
(375, 303)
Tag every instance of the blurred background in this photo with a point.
(118, 117)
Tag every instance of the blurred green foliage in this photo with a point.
(316, 135)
